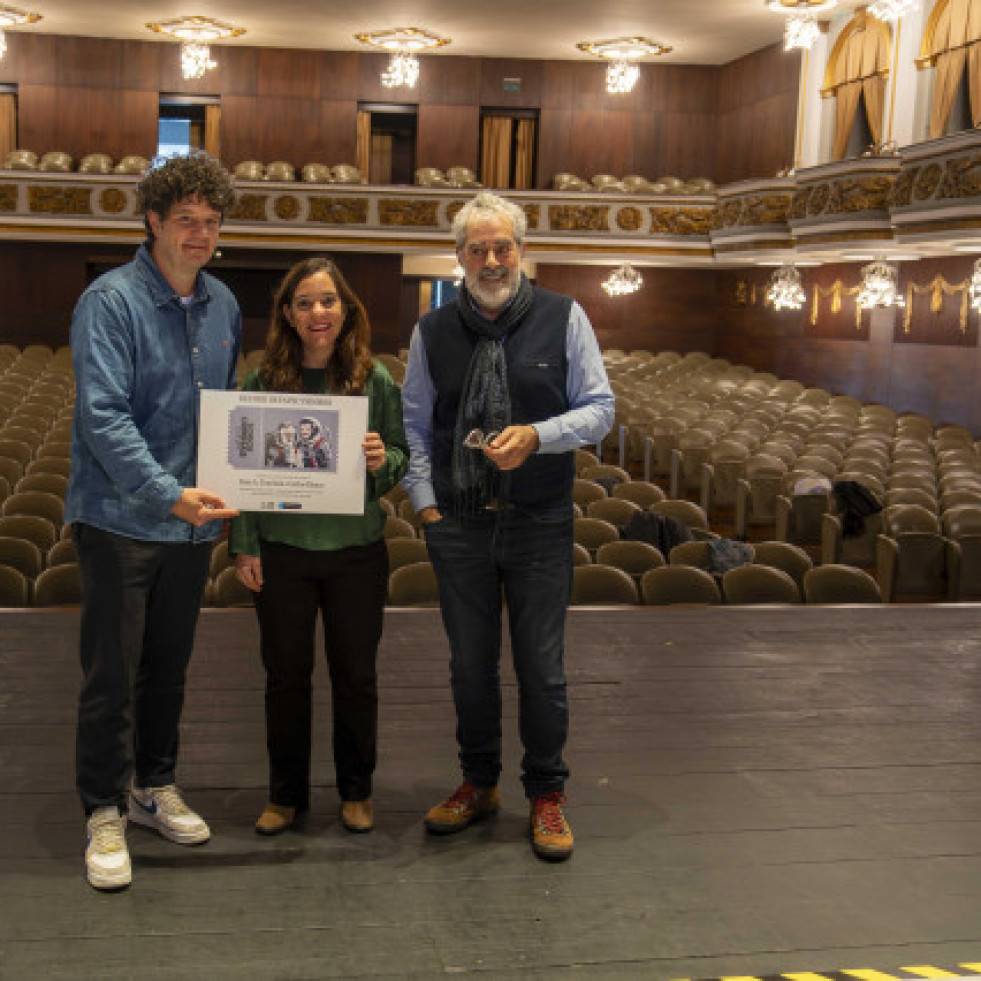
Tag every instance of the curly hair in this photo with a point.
(282, 360)
(486, 203)
(196, 175)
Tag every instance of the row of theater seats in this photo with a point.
(37, 558)
(744, 445)
(633, 184)
(57, 161)
(925, 543)
(454, 177)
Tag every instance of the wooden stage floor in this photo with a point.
(755, 791)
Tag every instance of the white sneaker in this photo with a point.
(164, 810)
(107, 863)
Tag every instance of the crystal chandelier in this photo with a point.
(195, 33)
(892, 9)
(621, 76)
(623, 281)
(800, 32)
(196, 59)
(622, 53)
(403, 69)
(11, 16)
(880, 286)
(402, 43)
(785, 291)
(975, 288)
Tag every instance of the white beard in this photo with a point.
(494, 294)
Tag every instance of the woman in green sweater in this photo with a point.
(298, 564)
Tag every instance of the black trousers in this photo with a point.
(140, 605)
(347, 587)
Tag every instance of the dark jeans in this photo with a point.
(529, 557)
(347, 587)
(140, 604)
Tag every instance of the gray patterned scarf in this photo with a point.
(484, 402)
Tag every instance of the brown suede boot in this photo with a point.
(551, 836)
(275, 819)
(357, 816)
(466, 805)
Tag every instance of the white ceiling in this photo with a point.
(710, 32)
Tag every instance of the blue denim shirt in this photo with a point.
(141, 357)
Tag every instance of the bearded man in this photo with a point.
(503, 385)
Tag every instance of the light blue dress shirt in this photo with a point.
(587, 421)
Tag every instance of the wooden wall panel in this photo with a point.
(690, 140)
(84, 120)
(493, 73)
(448, 136)
(446, 80)
(288, 74)
(674, 310)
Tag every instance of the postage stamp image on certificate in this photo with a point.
(265, 451)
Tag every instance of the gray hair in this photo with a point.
(486, 203)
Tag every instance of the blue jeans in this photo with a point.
(525, 560)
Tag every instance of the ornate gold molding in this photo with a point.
(112, 200)
(404, 213)
(339, 211)
(8, 197)
(680, 221)
(579, 218)
(250, 207)
(287, 207)
(630, 219)
(47, 200)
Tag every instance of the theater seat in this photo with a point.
(679, 584)
(414, 585)
(602, 585)
(60, 585)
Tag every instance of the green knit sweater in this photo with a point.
(326, 532)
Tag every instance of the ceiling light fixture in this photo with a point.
(880, 286)
(802, 28)
(892, 9)
(403, 43)
(975, 287)
(786, 292)
(622, 53)
(195, 34)
(623, 281)
(12, 17)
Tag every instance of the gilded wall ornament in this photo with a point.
(836, 291)
(630, 219)
(799, 205)
(532, 213)
(766, 209)
(854, 194)
(938, 287)
(901, 194)
(927, 182)
(47, 200)
(250, 207)
(112, 200)
(338, 211)
(578, 218)
(730, 213)
(681, 221)
(962, 178)
(8, 197)
(405, 214)
(287, 207)
(817, 203)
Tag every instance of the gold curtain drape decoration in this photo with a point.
(495, 157)
(524, 154)
(212, 131)
(362, 152)
(8, 124)
(952, 38)
(835, 291)
(858, 64)
(938, 287)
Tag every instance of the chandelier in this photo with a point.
(622, 53)
(785, 291)
(10, 17)
(975, 288)
(402, 43)
(802, 28)
(892, 9)
(623, 281)
(195, 33)
(800, 32)
(880, 286)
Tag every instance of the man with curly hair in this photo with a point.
(146, 339)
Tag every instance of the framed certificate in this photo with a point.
(267, 451)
